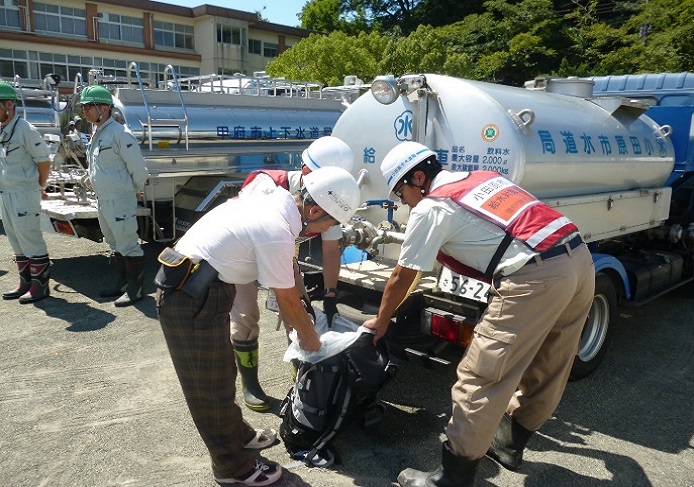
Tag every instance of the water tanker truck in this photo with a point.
(617, 164)
(200, 137)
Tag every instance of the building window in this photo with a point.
(53, 63)
(167, 34)
(12, 62)
(121, 28)
(255, 46)
(227, 34)
(58, 19)
(9, 15)
(35, 65)
(270, 50)
(156, 74)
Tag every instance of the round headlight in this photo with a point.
(384, 89)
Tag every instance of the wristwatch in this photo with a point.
(329, 290)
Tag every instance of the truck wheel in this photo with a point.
(597, 332)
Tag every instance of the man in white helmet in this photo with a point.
(513, 373)
(324, 152)
(246, 239)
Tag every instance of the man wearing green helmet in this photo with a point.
(118, 173)
(24, 169)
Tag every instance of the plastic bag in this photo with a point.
(333, 340)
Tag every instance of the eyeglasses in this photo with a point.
(397, 190)
(88, 106)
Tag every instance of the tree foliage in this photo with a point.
(329, 58)
(335, 15)
(505, 41)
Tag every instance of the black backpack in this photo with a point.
(331, 394)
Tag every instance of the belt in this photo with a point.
(559, 249)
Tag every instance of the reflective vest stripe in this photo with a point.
(549, 229)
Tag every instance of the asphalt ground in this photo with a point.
(89, 397)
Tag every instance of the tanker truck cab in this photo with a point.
(601, 161)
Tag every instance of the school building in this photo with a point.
(68, 37)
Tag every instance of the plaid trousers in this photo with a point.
(197, 335)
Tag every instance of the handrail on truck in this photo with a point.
(160, 122)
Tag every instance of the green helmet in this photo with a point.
(7, 91)
(96, 94)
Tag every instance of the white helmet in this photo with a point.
(401, 159)
(328, 151)
(334, 190)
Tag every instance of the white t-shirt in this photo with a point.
(441, 224)
(263, 181)
(248, 238)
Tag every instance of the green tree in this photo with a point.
(589, 40)
(334, 15)
(388, 14)
(653, 34)
(505, 41)
(329, 58)
(261, 17)
(354, 16)
(684, 35)
(439, 13)
(510, 42)
(426, 50)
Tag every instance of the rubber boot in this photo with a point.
(454, 471)
(24, 278)
(121, 283)
(509, 442)
(135, 276)
(40, 269)
(247, 361)
(293, 363)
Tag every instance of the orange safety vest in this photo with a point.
(519, 214)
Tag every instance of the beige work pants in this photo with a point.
(522, 350)
(245, 314)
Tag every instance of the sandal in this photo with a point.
(260, 474)
(262, 439)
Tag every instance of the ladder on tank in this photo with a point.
(24, 94)
(152, 122)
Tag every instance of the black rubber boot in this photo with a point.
(40, 269)
(247, 361)
(509, 442)
(135, 275)
(454, 471)
(121, 283)
(24, 278)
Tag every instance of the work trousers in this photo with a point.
(21, 217)
(522, 351)
(245, 314)
(197, 335)
(118, 222)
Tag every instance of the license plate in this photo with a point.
(460, 285)
(271, 301)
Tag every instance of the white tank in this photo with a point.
(553, 145)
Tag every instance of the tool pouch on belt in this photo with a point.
(174, 270)
(199, 280)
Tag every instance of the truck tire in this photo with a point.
(597, 332)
